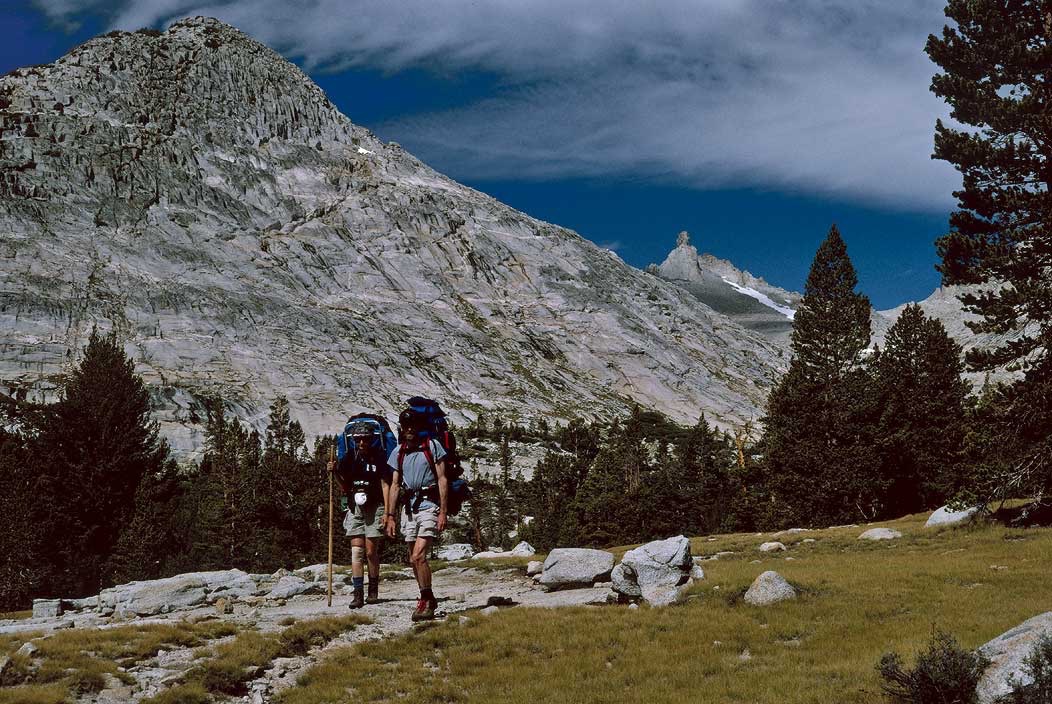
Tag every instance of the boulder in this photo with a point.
(769, 588)
(523, 549)
(1007, 652)
(490, 555)
(314, 573)
(534, 567)
(47, 608)
(27, 650)
(773, 546)
(289, 586)
(566, 568)
(455, 551)
(182, 591)
(945, 517)
(880, 534)
(654, 571)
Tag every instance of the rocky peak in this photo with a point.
(747, 299)
(198, 194)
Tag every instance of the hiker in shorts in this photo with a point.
(419, 470)
(366, 481)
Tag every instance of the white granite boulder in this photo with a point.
(655, 571)
(534, 568)
(769, 588)
(946, 517)
(1007, 653)
(289, 586)
(182, 591)
(567, 568)
(880, 534)
(523, 549)
(47, 608)
(772, 546)
(455, 551)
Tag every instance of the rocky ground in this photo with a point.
(458, 588)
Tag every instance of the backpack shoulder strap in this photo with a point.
(426, 447)
(401, 456)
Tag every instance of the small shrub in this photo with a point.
(944, 674)
(149, 31)
(1038, 665)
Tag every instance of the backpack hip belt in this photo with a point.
(415, 497)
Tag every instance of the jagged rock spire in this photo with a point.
(683, 240)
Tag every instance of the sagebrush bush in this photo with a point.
(945, 673)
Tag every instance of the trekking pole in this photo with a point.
(332, 458)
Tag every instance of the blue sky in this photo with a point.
(754, 124)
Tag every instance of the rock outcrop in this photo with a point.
(654, 571)
(199, 195)
(944, 517)
(769, 588)
(568, 568)
(880, 534)
(1007, 653)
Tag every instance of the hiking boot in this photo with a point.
(425, 610)
(374, 592)
(358, 601)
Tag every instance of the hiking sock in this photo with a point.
(428, 595)
(358, 583)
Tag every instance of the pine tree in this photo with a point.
(25, 568)
(221, 504)
(922, 399)
(819, 459)
(291, 494)
(995, 63)
(98, 443)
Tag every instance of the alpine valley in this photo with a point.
(198, 194)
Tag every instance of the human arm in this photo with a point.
(443, 492)
(391, 503)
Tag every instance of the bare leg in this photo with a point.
(372, 556)
(418, 558)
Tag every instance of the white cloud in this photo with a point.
(813, 96)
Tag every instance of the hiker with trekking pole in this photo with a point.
(365, 478)
(426, 483)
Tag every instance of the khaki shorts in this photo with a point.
(422, 524)
(367, 520)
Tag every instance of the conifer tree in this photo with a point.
(922, 400)
(291, 494)
(819, 459)
(98, 444)
(995, 62)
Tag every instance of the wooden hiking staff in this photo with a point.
(332, 458)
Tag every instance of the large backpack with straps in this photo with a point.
(436, 427)
(433, 425)
(371, 436)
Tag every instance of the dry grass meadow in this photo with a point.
(859, 599)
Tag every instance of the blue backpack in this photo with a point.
(371, 436)
(434, 426)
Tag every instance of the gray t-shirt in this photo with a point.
(416, 471)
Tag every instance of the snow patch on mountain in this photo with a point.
(762, 298)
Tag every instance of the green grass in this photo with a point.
(859, 599)
(78, 661)
(227, 667)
